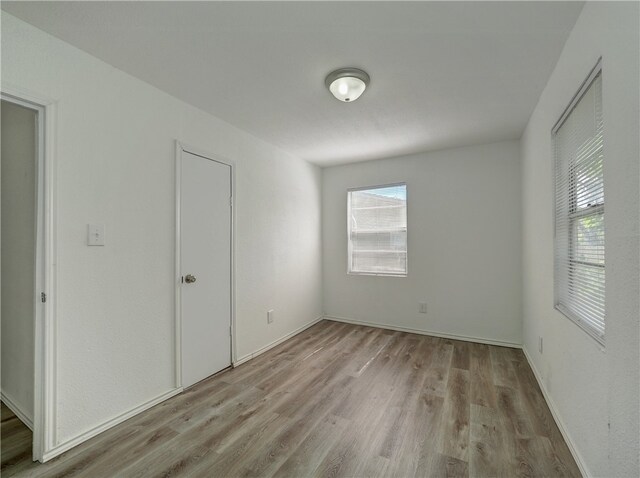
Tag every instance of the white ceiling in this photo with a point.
(443, 74)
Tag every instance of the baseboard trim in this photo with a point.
(465, 338)
(269, 346)
(13, 406)
(59, 449)
(558, 419)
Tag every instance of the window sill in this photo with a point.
(375, 274)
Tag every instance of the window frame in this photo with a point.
(574, 214)
(350, 270)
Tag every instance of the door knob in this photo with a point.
(189, 279)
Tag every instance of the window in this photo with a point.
(378, 230)
(579, 210)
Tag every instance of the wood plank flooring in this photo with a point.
(15, 442)
(340, 400)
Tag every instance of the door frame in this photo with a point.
(45, 322)
(182, 148)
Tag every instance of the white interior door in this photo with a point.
(205, 258)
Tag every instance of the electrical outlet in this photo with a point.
(270, 316)
(422, 307)
(540, 344)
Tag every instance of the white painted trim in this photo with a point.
(45, 330)
(180, 148)
(59, 449)
(465, 338)
(13, 406)
(177, 345)
(558, 419)
(267, 347)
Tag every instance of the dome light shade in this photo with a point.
(347, 84)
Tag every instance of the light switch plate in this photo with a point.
(95, 235)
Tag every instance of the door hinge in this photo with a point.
(230, 334)
(231, 201)
(43, 297)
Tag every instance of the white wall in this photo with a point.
(115, 165)
(18, 256)
(464, 244)
(591, 388)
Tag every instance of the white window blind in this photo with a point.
(378, 230)
(579, 210)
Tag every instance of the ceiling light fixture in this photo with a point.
(347, 84)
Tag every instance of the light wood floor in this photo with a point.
(15, 442)
(340, 400)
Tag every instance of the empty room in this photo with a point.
(320, 239)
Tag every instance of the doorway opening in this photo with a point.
(25, 234)
(18, 282)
